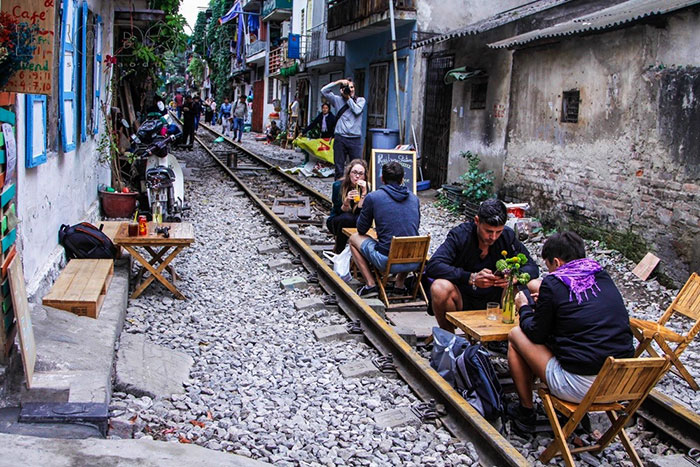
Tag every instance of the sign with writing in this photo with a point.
(406, 158)
(36, 76)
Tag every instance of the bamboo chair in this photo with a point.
(687, 303)
(405, 250)
(621, 386)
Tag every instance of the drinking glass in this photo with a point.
(493, 311)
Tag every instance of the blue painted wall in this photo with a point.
(362, 53)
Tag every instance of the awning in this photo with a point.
(621, 13)
(463, 73)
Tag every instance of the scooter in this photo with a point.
(157, 172)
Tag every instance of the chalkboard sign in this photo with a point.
(406, 158)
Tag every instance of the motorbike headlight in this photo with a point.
(161, 106)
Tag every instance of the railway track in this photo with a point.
(265, 183)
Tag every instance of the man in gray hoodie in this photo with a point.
(396, 213)
(348, 108)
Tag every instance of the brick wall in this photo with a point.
(632, 161)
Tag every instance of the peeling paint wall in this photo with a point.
(61, 191)
(448, 15)
(632, 161)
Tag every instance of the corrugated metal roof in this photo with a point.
(493, 22)
(621, 13)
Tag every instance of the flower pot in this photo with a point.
(118, 204)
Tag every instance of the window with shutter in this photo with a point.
(35, 130)
(97, 78)
(67, 77)
(83, 71)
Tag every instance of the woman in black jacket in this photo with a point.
(578, 321)
(325, 121)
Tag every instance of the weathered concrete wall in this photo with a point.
(481, 131)
(448, 15)
(61, 191)
(633, 159)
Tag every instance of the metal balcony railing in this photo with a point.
(319, 47)
(345, 12)
(254, 48)
(277, 57)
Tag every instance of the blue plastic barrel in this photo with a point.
(384, 138)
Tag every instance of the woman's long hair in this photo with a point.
(347, 182)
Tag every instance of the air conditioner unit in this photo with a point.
(286, 28)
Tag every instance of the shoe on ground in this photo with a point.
(367, 292)
(524, 421)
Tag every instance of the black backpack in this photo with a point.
(476, 380)
(85, 241)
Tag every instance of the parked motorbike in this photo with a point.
(158, 173)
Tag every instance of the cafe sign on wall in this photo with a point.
(35, 76)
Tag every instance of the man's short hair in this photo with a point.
(492, 212)
(392, 172)
(566, 246)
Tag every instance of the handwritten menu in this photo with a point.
(34, 77)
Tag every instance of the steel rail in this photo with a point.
(673, 418)
(462, 420)
(270, 166)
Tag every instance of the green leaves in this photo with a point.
(479, 184)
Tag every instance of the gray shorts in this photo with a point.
(564, 385)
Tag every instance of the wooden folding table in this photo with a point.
(181, 236)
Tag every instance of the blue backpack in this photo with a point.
(476, 380)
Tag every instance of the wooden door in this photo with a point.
(436, 121)
(258, 105)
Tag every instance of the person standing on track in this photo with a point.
(240, 113)
(348, 128)
(225, 116)
(188, 123)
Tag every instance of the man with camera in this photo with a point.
(348, 128)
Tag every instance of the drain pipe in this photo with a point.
(396, 68)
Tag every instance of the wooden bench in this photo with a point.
(81, 287)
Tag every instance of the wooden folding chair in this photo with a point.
(405, 250)
(618, 390)
(687, 303)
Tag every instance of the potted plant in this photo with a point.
(473, 187)
(117, 200)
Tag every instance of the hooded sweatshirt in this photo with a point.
(395, 211)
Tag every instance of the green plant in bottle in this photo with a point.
(510, 269)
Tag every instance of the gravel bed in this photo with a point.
(261, 385)
(264, 388)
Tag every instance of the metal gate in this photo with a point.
(258, 105)
(436, 121)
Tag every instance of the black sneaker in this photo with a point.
(399, 291)
(524, 420)
(368, 292)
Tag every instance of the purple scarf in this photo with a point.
(579, 276)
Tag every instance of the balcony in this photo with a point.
(354, 19)
(255, 52)
(276, 10)
(277, 57)
(251, 5)
(321, 53)
(237, 68)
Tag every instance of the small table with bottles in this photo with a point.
(180, 236)
(478, 328)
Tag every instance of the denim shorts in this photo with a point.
(378, 260)
(564, 385)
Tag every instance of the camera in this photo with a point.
(345, 90)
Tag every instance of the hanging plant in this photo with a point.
(16, 46)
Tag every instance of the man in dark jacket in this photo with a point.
(325, 121)
(396, 213)
(188, 113)
(463, 266)
(578, 321)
